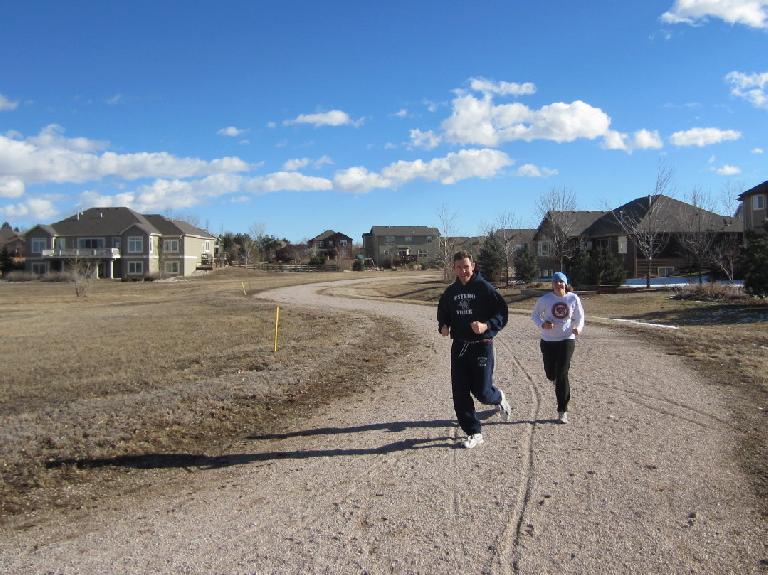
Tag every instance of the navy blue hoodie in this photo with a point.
(460, 305)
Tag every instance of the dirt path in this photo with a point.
(642, 481)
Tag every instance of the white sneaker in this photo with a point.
(503, 407)
(474, 440)
(562, 417)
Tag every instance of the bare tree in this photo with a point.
(698, 235)
(83, 274)
(447, 230)
(557, 212)
(645, 222)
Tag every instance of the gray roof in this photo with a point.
(114, 221)
(758, 189)
(8, 235)
(169, 227)
(404, 231)
(675, 217)
(99, 222)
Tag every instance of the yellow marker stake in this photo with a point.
(277, 323)
(243, 284)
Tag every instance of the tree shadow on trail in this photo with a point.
(202, 461)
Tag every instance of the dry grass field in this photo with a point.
(158, 367)
(186, 366)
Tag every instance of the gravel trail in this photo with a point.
(643, 479)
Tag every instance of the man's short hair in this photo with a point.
(458, 256)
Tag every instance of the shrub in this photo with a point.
(755, 264)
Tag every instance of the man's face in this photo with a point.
(464, 269)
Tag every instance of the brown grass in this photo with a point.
(148, 368)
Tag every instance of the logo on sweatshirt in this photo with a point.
(463, 308)
(560, 310)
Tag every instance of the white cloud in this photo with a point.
(502, 88)
(427, 140)
(288, 182)
(752, 13)
(534, 171)
(727, 170)
(757, 150)
(50, 157)
(401, 113)
(331, 118)
(34, 209)
(640, 140)
(457, 166)
(358, 179)
(295, 164)
(6, 104)
(11, 187)
(231, 131)
(703, 137)
(751, 87)
(479, 121)
(115, 100)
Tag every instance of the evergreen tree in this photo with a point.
(6, 263)
(606, 268)
(526, 268)
(580, 269)
(492, 258)
(755, 265)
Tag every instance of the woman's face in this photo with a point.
(558, 286)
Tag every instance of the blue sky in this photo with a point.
(296, 117)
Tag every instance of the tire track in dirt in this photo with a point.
(508, 546)
(629, 393)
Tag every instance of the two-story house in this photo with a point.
(118, 243)
(395, 245)
(754, 208)
(331, 244)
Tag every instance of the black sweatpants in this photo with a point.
(557, 361)
(472, 374)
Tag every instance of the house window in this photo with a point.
(421, 254)
(171, 267)
(622, 244)
(135, 245)
(429, 239)
(207, 246)
(758, 202)
(666, 271)
(38, 245)
(171, 246)
(342, 243)
(546, 273)
(90, 243)
(545, 248)
(135, 268)
(39, 268)
(408, 239)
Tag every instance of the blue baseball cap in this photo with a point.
(560, 276)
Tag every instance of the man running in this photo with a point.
(471, 311)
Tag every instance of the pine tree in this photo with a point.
(525, 266)
(492, 258)
(755, 265)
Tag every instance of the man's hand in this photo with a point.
(445, 331)
(547, 325)
(575, 331)
(479, 327)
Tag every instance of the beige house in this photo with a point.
(397, 245)
(119, 243)
(754, 208)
